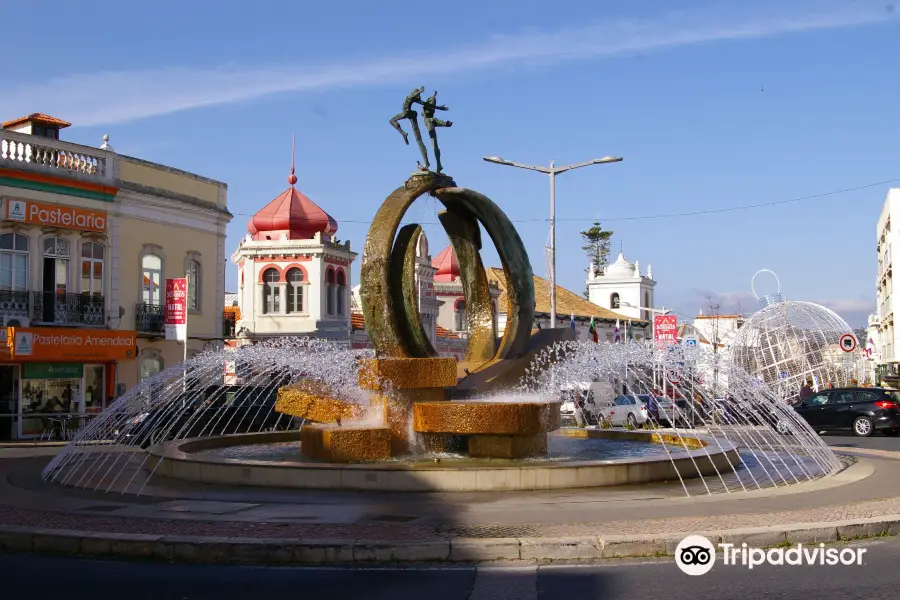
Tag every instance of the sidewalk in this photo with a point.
(255, 526)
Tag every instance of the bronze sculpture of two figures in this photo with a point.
(429, 106)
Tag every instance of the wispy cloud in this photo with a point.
(103, 98)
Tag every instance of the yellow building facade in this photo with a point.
(88, 239)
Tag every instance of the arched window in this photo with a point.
(194, 281)
(341, 292)
(329, 291)
(151, 364)
(461, 324)
(647, 300)
(151, 273)
(614, 300)
(13, 262)
(295, 293)
(272, 301)
(92, 255)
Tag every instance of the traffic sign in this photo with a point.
(689, 340)
(848, 342)
(783, 375)
(674, 375)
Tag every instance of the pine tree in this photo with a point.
(596, 245)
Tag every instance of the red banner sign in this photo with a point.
(176, 309)
(665, 329)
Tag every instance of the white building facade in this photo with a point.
(293, 278)
(622, 288)
(887, 238)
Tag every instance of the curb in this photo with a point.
(457, 550)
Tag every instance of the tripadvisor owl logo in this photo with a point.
(696, 555)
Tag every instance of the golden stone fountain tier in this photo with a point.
(491, 429)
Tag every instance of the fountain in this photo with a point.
(406, 419)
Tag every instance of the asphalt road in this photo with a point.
(877, 442)
(658, 578)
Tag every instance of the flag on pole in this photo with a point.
(618, 337)
(573, 321)
(630, 331)
(593, 330)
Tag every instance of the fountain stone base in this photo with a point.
(398, 384)
(508, 446)
(345, 444)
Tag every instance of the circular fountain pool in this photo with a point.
(559, 448)
(578, 458)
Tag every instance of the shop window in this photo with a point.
(271, 297)
(295, 291)
(92, 255)
(51, 388)
(94, 389)
(192, 272)
(13, 262)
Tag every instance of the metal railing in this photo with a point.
(14, 304)
(149, 318)
(80, 309)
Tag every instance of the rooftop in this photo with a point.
(567, 302)
(39, 118)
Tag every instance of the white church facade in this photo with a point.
(622, 288)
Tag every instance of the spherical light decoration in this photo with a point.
(789, 342)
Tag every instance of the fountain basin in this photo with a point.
(699, 455)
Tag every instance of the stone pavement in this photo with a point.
(203, 523)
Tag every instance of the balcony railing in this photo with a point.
(23, 150)
(150, 318)
(14, 304)
(229, 325)
(68, 309)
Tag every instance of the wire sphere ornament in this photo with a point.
(769, 298)
(787, 343)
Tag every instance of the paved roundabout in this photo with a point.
(203, 523)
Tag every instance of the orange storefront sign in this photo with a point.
(83, 345)
(54, 215)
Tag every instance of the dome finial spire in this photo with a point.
(292, 179)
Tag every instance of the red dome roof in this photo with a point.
(292, 214)
(446, 264)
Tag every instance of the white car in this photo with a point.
(583, 400)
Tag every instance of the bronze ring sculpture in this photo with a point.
(387, 276)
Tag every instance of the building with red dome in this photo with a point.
(293, 276)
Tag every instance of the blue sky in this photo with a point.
(719, 104)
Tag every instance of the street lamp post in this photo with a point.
(553, 171)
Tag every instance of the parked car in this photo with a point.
(625, 410)
(861, 410)
(217, 410)
(583, 400)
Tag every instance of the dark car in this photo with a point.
(217, 410)
(861, 410)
